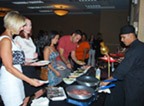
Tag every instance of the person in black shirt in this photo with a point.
(129, 89)
(97, 46)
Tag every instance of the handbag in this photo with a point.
(44, 73)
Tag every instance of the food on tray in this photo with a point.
(74, 75)
(85, 67)
(68, 80)
(79, 70)
(81, 62)
(56, 93)
(80, 92)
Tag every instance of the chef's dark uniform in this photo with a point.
(129, 90)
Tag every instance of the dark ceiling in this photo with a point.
(42, 7)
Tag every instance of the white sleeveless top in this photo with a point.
(11, 87)
(27, 45)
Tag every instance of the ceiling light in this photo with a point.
(87, 0)
(40, 7)
(92, 6)
(2, 14)
(20, 2)
(61, 9)
(28, 2)
(45, 11)
(61, 6)
(60, 12)
(99, 7)
(3, 11)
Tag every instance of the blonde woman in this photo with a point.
(11, 76)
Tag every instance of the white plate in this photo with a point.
(31, 61)
(61, 68)
(69, 80)
(44, 62)
(42, 81)
(40, 63)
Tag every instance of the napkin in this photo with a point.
(104, 90)
(42, 101)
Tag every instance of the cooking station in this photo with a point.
(94, 99)
(72, 101)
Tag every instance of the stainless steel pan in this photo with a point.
(88, 81)
(79, 92)
(91, 81)
(87, 92)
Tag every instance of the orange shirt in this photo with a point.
(80, 50)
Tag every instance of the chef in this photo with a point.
(129, 90)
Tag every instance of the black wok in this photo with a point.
(71, 91)
(88, 81)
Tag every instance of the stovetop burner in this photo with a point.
(82, 102)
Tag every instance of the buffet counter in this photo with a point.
(97, 100)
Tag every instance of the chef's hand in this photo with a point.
(104, 83)
(109, 80)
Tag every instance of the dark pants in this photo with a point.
(116, 97)
(32, 73)
(130, 93)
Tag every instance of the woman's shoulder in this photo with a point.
(5, 38)
(18, 38)
(47, 48)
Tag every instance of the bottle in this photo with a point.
(98, 73)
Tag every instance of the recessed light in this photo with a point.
(20, 2)
(87, 0)
(43, 11)
(39, 7)
(99, 7)
(28, 2)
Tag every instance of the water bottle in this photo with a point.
(98, 73)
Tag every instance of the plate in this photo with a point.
(81, 62)
(43, 62)
(31, 61)
(40, 63)
(42, 81)
(69, 80)
(61, 68)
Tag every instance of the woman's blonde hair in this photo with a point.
(13, 21)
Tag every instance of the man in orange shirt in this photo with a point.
(82, 50)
